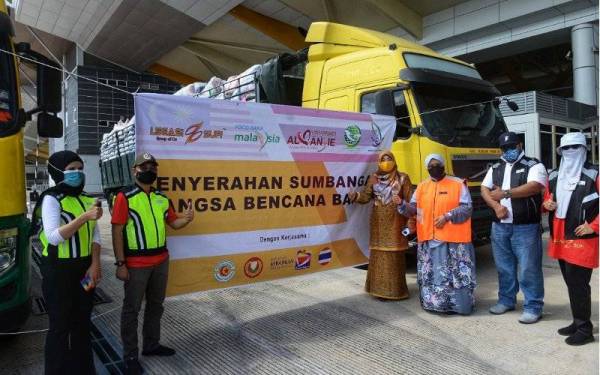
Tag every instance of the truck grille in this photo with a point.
(472, 168)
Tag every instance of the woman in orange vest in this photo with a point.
(386, 277)
(445, 255)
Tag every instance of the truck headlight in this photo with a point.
(8, 249)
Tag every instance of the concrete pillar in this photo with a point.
(584, 45)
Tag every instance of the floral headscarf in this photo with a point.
(387, 183)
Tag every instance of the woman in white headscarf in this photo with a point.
(386, 277)
(572, 202)
(445, 256)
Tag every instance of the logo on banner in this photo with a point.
(166, 134)
(254, 134)
(313, 139)
(352, 136)
(302, 259)
(278, 263)
(195, 132)
(253, 267)
(224, 271)
(325, 256)
(376, 137)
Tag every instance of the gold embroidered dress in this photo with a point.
(387, 266)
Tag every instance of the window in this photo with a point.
(459, 117)
(402, 116)
(367, 105)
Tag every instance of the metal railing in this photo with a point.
(243, 88)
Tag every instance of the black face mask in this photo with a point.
(436, 172)
(146, 177)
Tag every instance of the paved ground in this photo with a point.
(325, 324)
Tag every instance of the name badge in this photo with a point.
(581, 183)
(520, 170)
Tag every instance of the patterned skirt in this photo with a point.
(446, 276)
(386, 277)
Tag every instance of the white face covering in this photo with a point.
(569, 175)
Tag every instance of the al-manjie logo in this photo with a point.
(315, 139)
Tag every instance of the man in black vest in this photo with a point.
(513, 189)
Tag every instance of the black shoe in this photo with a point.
(161, 351)
(568, 330)
(133, 367)
(579, 338)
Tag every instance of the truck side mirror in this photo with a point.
(49, 83)
(512, 105)
(384, 103)
(49, 126)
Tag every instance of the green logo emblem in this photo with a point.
(352, 135)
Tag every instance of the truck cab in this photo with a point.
(15, 244)
(442, 105)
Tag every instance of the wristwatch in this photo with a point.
(119, 263)
(507, 194)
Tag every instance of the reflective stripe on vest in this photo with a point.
(435, 199)
(145, 229)
(80, 244)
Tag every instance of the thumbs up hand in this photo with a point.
(189, 212)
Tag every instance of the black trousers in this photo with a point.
(68, 345)
(578, 279)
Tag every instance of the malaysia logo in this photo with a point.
(253, 267)
(303, 259)
(376, 137)
(224, 271)
(352, 136)
(325, 256)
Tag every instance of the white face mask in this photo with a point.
(572, 152)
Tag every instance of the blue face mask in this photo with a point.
(511, 155)
(74, 178)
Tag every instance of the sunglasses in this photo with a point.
(571, 147)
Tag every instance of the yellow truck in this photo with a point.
(442, 105)
(15, 249)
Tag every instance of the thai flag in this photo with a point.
(324, 256)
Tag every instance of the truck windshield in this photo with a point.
(8, 99)
(459, 118)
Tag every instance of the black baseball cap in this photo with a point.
(144, 157)
(509, 138)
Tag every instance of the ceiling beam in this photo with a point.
(238, 46)
(407, 18)
(211, 68)
(318, 10)
(285, 34)
(172, 74)
(216, 57)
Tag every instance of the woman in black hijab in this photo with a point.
(70, 264)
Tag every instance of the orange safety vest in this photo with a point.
(436, 198)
